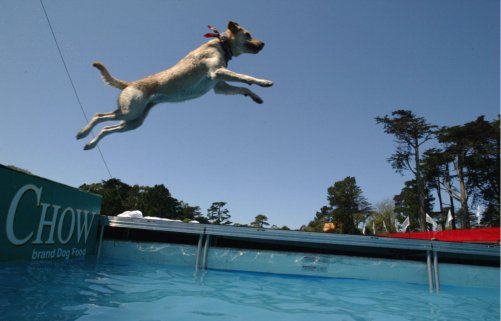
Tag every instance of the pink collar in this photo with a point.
(215, 33)
(222, 40)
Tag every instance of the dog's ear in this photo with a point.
(233, 26)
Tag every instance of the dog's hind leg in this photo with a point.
(105, 132)
(226, 89)
(123, 126)
(98, 118)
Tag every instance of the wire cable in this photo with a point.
(72, 84)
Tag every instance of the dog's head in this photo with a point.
(241, 40)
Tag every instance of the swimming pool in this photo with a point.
(124, 290)
(178, 271)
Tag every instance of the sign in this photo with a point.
(44, 220)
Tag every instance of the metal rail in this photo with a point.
(199, 246)
(101, 232)
(206, 248)
(435, 267)
(428, 266)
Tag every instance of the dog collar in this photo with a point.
(228, 53)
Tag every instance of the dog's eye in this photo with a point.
(248, 35)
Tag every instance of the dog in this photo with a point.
(202, 70)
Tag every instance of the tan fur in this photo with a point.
(202, 70)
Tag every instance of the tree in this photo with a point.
(260, 221)
(474, 152)
(283, 228)
(349, 206)
(407, 204)
(411, 133)
(437, 176)
(114, 193)
(217, 214)
(384, 211)
(483, 167)
(321, 217)
(19, 169)
(189, 213)
(157, 201)
(151, 201)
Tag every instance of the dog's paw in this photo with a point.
(81, 135)
(254, 97)
(265, 83)
(257, 99)
(88, 147)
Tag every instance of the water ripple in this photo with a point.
(121, 290)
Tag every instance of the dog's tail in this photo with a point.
(109, 79)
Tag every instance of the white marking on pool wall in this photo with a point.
(50, 217)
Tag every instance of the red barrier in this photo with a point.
(477, 235)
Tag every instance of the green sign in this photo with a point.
(44, 220)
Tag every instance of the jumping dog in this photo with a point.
(203, 69)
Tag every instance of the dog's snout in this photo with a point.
(254, 46)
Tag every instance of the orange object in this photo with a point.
(329, 227)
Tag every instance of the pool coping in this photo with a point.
(300, 237)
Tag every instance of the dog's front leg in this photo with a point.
(226, 89)
(224, 74)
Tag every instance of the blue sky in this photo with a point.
(336, 64)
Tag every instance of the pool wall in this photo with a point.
(309, 264)
(201, 246)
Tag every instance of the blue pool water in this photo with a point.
(126, 290)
